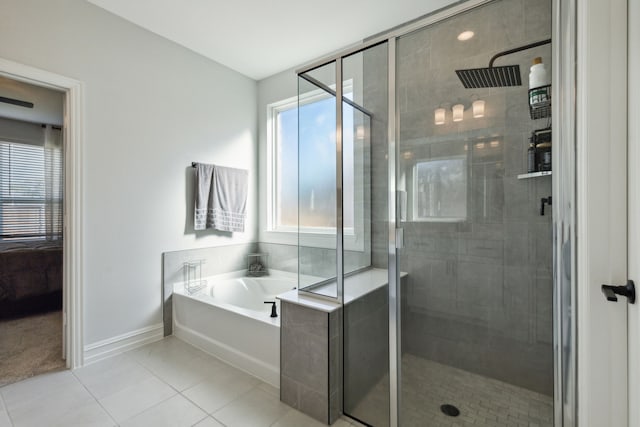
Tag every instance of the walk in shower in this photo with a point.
(447, 186)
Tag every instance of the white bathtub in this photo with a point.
(229, 319)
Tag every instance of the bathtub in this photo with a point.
(229, 319)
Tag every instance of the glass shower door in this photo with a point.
(342, 226)
(317, 184)
(477, 304)
(366, 295)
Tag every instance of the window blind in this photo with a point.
(31, 192)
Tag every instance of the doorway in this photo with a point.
(73, 125)
(31, 230)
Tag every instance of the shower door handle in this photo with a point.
(628, 290)
(399, 238)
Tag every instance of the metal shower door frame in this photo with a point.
(564, 193)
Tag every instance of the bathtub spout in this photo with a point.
(274, 313)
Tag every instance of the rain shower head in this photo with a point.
(491, 76)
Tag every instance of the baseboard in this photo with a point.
(121, 343)
(264, 371)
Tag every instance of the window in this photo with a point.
(30, 192)
(312, 195)
(440, 189)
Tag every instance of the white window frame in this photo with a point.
(322, 237)
(414, 192)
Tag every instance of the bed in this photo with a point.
(30, 279)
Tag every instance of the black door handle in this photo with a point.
(628, 290)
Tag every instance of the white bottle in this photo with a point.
(537, 79)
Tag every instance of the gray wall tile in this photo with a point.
(310, 360)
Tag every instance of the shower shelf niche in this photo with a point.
(534, 174)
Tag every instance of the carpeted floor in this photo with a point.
(30, 346)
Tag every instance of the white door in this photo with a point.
(602, 229)
(634, 207)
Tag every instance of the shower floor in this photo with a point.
(482, 401)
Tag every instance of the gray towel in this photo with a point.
(221, 198)
(204, 175)
(229, 198)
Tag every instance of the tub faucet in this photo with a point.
(274, 313)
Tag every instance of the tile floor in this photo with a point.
(166, 383)
(482, 401)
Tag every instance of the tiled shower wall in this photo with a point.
(479, 291)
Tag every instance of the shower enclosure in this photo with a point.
(405, 168)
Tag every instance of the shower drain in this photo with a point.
(450, 410)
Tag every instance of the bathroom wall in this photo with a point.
(151, 107)
(479, 293)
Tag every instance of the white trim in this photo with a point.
(74, 221)
(121, 343)
(321, 237)
(258, 368)
(601, 211)
(633, 123)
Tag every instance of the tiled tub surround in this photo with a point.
(229, 319)
(309, 366)
(218, 260)
(314, 262)
(311, 346)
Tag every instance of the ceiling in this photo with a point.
(260, 38)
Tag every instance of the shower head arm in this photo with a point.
(518, 49)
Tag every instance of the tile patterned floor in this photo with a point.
(167, 383)
(170, 383)
(482, 401)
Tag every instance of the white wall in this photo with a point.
(151, 107)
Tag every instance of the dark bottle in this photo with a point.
(544, 156)
(531, 157)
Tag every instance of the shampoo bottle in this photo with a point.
(537, 80)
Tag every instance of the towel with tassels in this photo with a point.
(221, 198)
